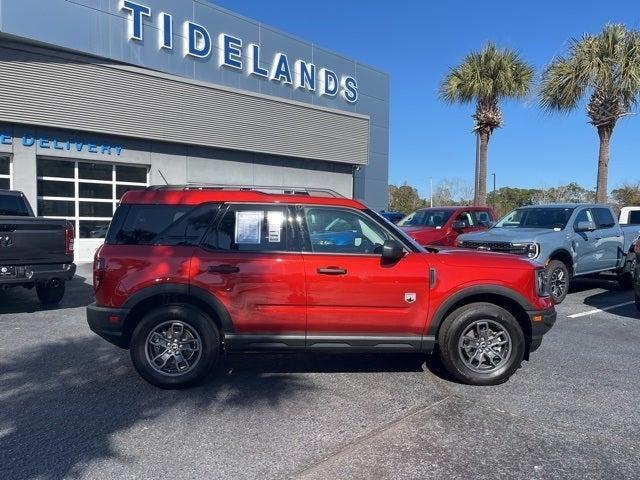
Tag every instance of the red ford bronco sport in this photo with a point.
(189, 272)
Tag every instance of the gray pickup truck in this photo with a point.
(570, 239)
(34, 252)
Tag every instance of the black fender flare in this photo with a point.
(210, 300)
(498, 290)
(563, 251)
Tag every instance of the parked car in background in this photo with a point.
(186, 273)
(393, 217)
(630, 216)
(441, 226)
(569, 239)
(34, 252)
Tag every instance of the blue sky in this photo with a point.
(417, 41)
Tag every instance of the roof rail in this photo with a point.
(266, 189)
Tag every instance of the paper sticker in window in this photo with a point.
(274, 223)
(248, 227)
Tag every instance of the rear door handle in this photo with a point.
(332, 271)
(223, 269)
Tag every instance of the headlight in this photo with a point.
(542, 282)
(531, 250)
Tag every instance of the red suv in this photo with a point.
(189, 272)
(442, 225)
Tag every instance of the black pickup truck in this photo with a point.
(34, 252)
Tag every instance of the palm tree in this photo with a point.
(486, 77)
(606, 67)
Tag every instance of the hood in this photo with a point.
(473, 258)
(425, 235)
(513, 235)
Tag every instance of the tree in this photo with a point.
(570, 193)
(404, 199)
(606, 68)
(506, 199)
(626, 195)
(454, 191)
(486, 77)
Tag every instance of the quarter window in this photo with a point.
(85, 193)
(336, 230)
(254, 228)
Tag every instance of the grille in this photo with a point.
(493, 246)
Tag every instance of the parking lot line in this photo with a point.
(599, 310)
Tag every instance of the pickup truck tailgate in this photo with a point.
(28, 240)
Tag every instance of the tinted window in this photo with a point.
(161, 224)
(337, 230)
(254, 228)
(95, 190)
(96, 209)
(543, 217)
(4, 184)
(482, 218)
(93, 228)
(583, 216)
(122, 189)
(4, 166)
(634, 217)
(95, 171)
(466, 218)
(13, 205)
(56, 208)
(53, 188)
(55, 168)
(427, 217)
(131, 174)
(604, 217)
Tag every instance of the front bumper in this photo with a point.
(30, 274)
(108, 323)
(541, 323)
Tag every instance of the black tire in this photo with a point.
(192, 320)
(453, 356)
(558, 277)
(49, 295)
(625, 277)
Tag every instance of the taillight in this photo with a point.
(98, 270)
(69, 237)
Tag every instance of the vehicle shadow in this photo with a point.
(79, 293)
(604, 300)
(607, 282)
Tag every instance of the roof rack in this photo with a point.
(266, 189)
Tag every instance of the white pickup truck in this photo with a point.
(630, 216)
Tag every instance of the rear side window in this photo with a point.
(634, 217)
(604, 217)
(13, 205)
(161, 224)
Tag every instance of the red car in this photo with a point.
(187, 273)
(442, 225)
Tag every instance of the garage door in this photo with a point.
(87, 194)
(5, 173)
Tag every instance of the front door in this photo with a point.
(251, 262)
(585, 244)
(354, 299)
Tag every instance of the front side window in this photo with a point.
(466, 218)
(583, 216)
(336, 230)
(254, 228)
(482, 218)
(604, 218)
(543, 217)
(427, 217)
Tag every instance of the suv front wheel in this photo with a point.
(175, 346)
(481, 344)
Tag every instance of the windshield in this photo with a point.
(428, 217)
(13, 206)
(543, 217)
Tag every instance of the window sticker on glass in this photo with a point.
(274, 223)
(248, 227)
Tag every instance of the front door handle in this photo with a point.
(332, 271)
(223, 269)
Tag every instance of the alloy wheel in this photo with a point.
(558, 283)
(173, 348)
(484, 346)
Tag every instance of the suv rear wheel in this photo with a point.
(481, 344)
(175, 346)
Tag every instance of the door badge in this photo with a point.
(410, 297)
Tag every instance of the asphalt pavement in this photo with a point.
(72, 406)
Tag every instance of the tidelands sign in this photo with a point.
(233, 54)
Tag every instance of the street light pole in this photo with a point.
(431, 192)
(494, 184)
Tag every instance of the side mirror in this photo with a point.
(585, 226)
(392, 251)
(458, 225)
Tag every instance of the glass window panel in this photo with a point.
(4, 166)
(143, 223)
(95, 190)
(131, 174)
(94, 171)
(96, 209)
(93, 228)
(54, 188)
(4, 183)
(122, 189)
(55, 168)
(56, 208)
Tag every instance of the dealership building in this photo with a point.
(103, 96)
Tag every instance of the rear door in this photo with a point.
(354, 299)
(585, 244)
(251, 262)
(609, 240)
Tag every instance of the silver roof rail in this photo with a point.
(267, 189)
